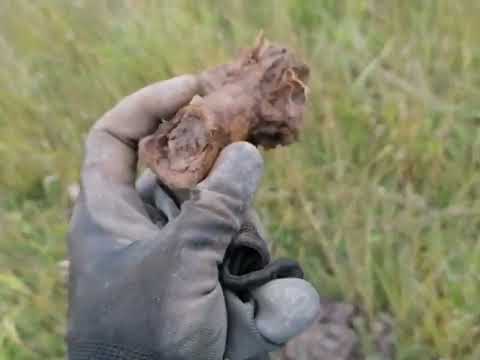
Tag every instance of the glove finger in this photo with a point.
(244, 341)
(218, 204)
(139, 114)
(108, 203)
(285, 308)
(196, 240)
(236, 173)
(130, 120)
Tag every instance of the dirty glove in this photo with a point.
(247, 263)
(257, 323)
(141, 292)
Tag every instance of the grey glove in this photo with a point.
(269, 317)
(260, 318)
(247, 263)
(142, 291)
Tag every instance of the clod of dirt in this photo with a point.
(259, 98)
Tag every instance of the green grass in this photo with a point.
(380, 200)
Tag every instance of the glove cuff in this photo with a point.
(90, 350)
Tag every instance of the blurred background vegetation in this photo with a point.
(380, 200)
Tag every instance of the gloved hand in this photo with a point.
(143, 291)
(257, 324)
(247, 263)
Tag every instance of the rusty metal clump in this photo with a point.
(259, 98)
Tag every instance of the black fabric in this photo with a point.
(280, 268)
(247, 262)
(247, 252)
(98, 351)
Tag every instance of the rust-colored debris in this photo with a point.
(259, 98)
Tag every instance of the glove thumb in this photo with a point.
(268, 317)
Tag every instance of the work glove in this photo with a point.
(247, 263)
(246, 267)
(143, 287)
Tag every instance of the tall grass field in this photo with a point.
(380, 200)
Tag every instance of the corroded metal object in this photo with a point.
(259, 98)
